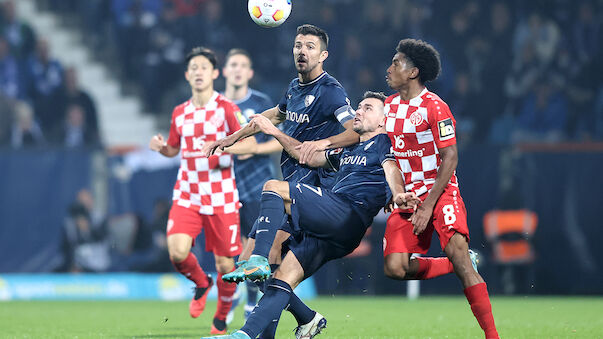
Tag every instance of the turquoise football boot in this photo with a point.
(257, 268)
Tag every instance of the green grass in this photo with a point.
(353, 317)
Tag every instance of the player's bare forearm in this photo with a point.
(269, 147)
(158, 144)
(275, 116)
(449, 156)
(345, 138)
(393, 176)
(169, 151)
(290, 145)
(245, 146)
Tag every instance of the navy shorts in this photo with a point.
(326, 224)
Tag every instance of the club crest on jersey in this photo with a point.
(217, 120)
(308, 100)
(416, 118)
(446, 129)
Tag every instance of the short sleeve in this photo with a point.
(335, 101)
(333, 156)
(282, 104)
(174, 137)
(386, 152)
(442, 124)
(234, 118)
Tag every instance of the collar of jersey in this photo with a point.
(425, 90)
(313, 81)
(214, 97)
(245, 98)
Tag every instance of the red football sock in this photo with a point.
(190, 268)
(225, 292)
(478, 298)
(433, 267)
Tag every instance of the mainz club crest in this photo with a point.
(416, 118)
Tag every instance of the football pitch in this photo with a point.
(348, 317)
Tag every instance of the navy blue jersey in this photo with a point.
(252, 173)
(359, 173)
(314, 110)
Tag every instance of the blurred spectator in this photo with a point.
(145, 246)
(25, 132)
(45, 83)
(542, 115)
(18, 34)
(85, 245)
(462, 104)
(497, 63)
(133, 21)
(73, 94)
(75, 130)
(586, 33)
(539, 32)
(9, 71)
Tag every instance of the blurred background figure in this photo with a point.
(26, 131)
(85, 245)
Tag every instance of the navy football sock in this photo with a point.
(269, 308)
(272, 212)
(302, 313)
(252, 293)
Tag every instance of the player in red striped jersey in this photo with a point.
(422, 131)
(205, 194)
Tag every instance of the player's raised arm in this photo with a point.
(272, 114)
(289, 144)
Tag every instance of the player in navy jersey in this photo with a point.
(315, 107)
(331, 222)
(251, 171)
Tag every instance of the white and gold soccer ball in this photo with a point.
(269, 13)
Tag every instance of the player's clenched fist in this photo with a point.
(157, 142)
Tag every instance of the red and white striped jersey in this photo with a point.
(417, 128)
(205, 184)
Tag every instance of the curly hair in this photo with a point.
(423, 56)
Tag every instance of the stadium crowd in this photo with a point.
(513, 71)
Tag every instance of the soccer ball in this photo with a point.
(269, 13)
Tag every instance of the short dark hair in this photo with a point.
(423, 56)
(238, 51)
(308, 29)
(374, 95)
(203, 51)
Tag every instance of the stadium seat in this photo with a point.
(510, 234)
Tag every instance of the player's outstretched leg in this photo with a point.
(475, 290)
(272, 212)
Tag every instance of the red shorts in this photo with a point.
(222, 231)
(449, 217)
